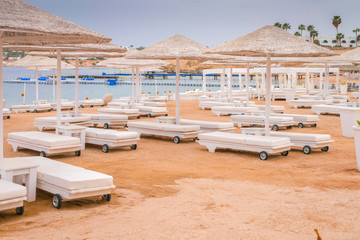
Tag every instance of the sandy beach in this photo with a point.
(181, 191)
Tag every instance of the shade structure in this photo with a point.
(176, 47)
(270, 41)
(24, 24)
(77, 54)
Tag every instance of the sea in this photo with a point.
(13, 91)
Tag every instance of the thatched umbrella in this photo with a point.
(24, 24)
(270, 41)
(176, 47)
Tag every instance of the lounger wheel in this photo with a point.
(81, 106)
(77, 153)
(300, 125)
(176, 140)
(106, 125)
(307, 149)
(57, 201)
(20, 210)
(49, 110)
(149, 115)
(263, 156)
(275, 128)
(95, 125)
(289, 127)
(138, 117)
(285, 153)
(42, 154)
(133, 147)
(8, 117)
(166, 115)
(325, 149)
(106, 197)
(125, 126)
(195, 139)
(105, 148)
(35, 111)
(91, 106)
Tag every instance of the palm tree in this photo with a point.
(309, 29)
(313, 34)
(301, 28)
(297, 34)
(356, 30)
(277, 24)
(339, 36)
(286, 26)
(336, 21)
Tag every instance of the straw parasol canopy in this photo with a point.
(270, 40)
(131, 62)
(23, 24)
(77, 54)
(41, 62)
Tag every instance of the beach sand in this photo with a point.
(181, 191)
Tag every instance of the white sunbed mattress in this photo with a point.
(44, 139)
(118, 110)
(107, 117)
(10, 190)
(244, 139)
(207, 124)
(164, 126)
(302, 136)
(63, 119)
(110, 134)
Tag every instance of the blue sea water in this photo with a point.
(12, 91)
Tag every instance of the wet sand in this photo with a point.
(181, 191)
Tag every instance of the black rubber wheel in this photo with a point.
(275, 127)
(300, 125)
(8, 117)
(105, 148)
(81, 106)
(134, 147)
(20, 210)
(195, 138)
(166, 115)
(35, 111)
(289, 127)
(176, 140)
(106, 197)
(315, 125)
(71, 108)
(138, 117)
(42, 154)
(91, 106)
(106, 125)
(263, 156)
(149, 115)
(307, 149)
(325, 149)
(285, 153)
(78, 153)
(125, 126)
(57, 201)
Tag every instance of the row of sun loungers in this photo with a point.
(207, 126)
(131, 113)
(108, 120)
(276, 122)
(31, 108)
(229, 110)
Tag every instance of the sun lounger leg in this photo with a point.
(211, 148)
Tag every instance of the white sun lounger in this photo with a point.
(155, 104)
(31, 108)
(65, 105)
(6, 113)
(261, 144)
(68, 182)
(177, 132)
(108, 120)
(156, 98)
(111, 138)
(123, 105)
(209, 105)
(275, 122)
(307, 141)
(207, 126)
(91, 103)
(301, 120)
(225, 110)
(326, 109)
(308, 103)
(12, 196)
(50, 122)
(273, 108)
(152, 111)
(45, 143)
(131, 113)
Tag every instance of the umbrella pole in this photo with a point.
(76, 86)
(137, 85)
(53, 87)
(204, 84)
(37, 84)
(1, 98)
(177, 96)
(132, 87)
(326, 80)
(58, 89)
(359, 86)
(230, 83)
(24, 93)
(247, 84)
(267, 95)
(222, 82)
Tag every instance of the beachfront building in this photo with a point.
(331, 41)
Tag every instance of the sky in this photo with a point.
(209, 22)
